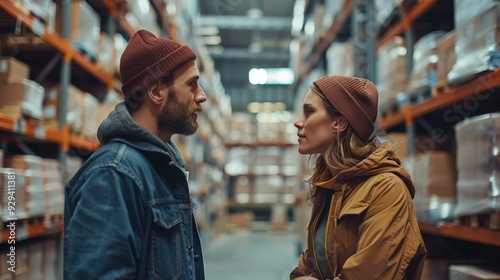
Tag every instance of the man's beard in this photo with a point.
(177, 118)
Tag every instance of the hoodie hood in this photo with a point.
(382, 160)
(120, 126)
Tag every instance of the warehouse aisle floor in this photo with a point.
(246, 255)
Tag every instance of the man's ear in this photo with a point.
(339, 124)
(154, 94)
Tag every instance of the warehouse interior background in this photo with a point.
(435, 64)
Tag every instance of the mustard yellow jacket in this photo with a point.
(372, 231)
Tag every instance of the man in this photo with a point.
(130, 200)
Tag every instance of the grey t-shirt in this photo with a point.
(319, 241)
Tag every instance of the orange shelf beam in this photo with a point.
(406, 20)
(458, 93)
(28, 20)
(24, 127)
(478, 235)
(454, 94)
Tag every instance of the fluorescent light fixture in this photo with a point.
(257, 76)
(271, 76)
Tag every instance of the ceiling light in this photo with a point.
(271, 76)
(257, 76)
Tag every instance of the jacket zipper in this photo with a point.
(332, 209)
(311, 236)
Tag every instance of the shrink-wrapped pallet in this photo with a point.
(478, 165)
(478, 38)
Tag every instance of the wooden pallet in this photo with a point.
(489, 220)
(440, 88)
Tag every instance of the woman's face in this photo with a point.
(315, 127)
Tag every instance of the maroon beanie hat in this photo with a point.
(147, 59)
(355, 98)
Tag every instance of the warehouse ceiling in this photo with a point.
(253, 34)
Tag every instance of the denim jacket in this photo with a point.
(106, 203)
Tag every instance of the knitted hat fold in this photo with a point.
(355, 98)
(147, 59)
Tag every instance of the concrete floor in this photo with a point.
(246, 255)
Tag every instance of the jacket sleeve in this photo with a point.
(384, 249)
(104, 232)
(300, 271)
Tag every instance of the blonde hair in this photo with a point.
(345, 151)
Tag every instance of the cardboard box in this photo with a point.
(474, 272)
(85, 27)
(11, 68)
(74, 107)
(446, 55)
(21, 97)
(23, 162)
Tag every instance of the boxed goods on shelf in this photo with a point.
(425, 60)
(312, 28)
(34, 196)
(473, 272)
(89, 115)
(53, 187)
(478, 39)
(434, 177)
(11, 68)
(446, 55)
(74, 107)
(391, 72)
(21, 97)
(333, 9)
(105, 51)
(19, 189)
(478, 165)
(85, 27)
(142, 15)
(384, 9)
(340, 59)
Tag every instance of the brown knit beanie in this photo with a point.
(147, 59)
(355, 98)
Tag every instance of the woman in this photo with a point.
(363, 224)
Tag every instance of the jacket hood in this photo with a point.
(120, 126)
(382, 160)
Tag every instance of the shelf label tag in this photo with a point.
(40, 132)
(38, 27)
(20, 126)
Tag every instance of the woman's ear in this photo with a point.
(154, 94)
(339, 124)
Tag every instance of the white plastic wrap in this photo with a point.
(478, 164)
(391, 72)
(425, 59)
(434, 177)
(478, 40)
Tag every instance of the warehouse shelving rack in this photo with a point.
(68, 64)
(409, 115)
